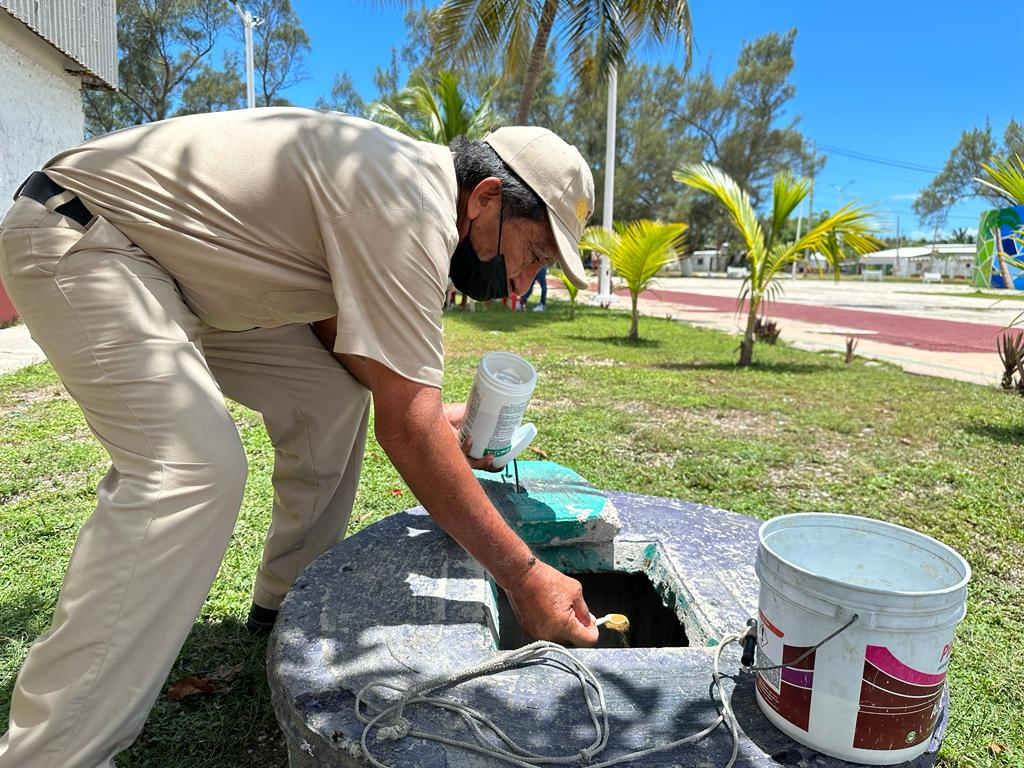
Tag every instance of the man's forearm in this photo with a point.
(422, 447)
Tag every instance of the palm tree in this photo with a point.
(1005, 178)
(435, 112)
(571, 288)
(597, 34)
(767, 253)
(637, 252)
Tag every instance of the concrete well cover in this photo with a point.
(401, 602)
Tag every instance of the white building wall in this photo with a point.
(40, 106)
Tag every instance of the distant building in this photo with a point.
(951, 260)
(706, 261)
(49, 52)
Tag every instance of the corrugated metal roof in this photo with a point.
(83, 30)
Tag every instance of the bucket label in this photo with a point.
(898, 705)
(788, 690)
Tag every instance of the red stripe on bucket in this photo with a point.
(882, 657)
(775, 630)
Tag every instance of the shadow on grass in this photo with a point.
(1013, 435)
(621, 341)
(233, 727)
(720, 365)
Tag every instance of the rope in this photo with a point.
(398, 727)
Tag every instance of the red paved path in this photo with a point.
(917, 332)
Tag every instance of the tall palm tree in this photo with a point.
(637, 252)
(597, 33)
(435, 112)
(767, 252)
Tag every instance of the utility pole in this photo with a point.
(896, 271)
(810, 201)
(799, 222)
(249, 22)
(604, 275)
(604, 279)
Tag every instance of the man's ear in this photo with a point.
(484, 196)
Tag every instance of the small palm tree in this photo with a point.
(637, 253)
(436, 112)
(766, 252)
(570, 286)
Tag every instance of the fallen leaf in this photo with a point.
(397, 491)
(539, 451)
(995, 748)
(189, 686)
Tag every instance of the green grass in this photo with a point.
(669, 416)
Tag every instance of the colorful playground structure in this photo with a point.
(999, 261)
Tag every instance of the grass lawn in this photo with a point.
(669, 416)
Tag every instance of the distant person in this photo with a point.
(542, 278)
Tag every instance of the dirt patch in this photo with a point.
(727, 422)
(25, 398)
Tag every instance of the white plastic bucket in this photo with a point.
(872, 694)
(501, 391)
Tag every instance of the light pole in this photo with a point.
(604, 278)
(249, 22)
(839, 191)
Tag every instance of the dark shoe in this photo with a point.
(261, 620)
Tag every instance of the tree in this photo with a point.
(280, 45)
(597, 35)
(742, 128)
(162, 45)
(637, 252)
(957, 180)
(961, 235)
(767, 252)
(344, 97)
(435, 112)
(214, 90)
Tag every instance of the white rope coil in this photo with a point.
(397, 726)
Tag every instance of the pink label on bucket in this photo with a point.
(882, 658)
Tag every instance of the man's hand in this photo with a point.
(454, 413)
(550, 606)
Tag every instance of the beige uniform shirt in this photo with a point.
(283, 215)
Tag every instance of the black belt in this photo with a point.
(40, 187)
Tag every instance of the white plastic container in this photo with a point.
(873, 694)
(494, 412)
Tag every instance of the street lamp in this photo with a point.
(249, 22)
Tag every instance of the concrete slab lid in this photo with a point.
(401, 602)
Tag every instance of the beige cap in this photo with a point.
(560, 176)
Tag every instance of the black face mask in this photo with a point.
(480, 280)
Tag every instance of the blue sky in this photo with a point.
(896, 80)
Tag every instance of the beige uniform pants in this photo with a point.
(151, 378)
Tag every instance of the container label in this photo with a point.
(898, 705)
(509, 419)
(788, 690)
